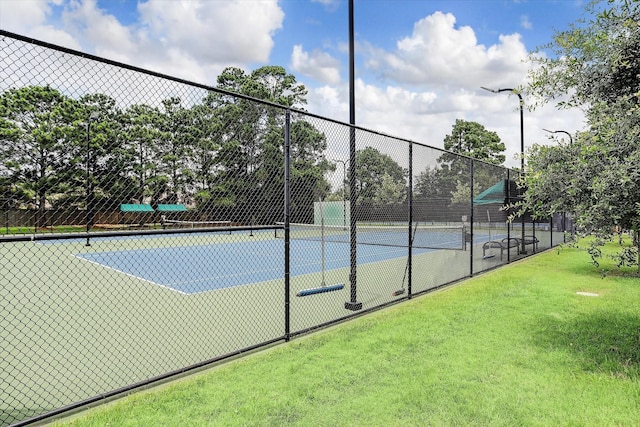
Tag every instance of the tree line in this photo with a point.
(223, 156)
(224, 153)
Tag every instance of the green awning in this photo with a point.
(493, 194)
(135, 207)
(172, 208)
(499, 193)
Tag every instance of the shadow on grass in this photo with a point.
(603, 342)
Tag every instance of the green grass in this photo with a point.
(54, 229)
(74, 228)
(517, 346)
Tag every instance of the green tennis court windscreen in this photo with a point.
(334, 213)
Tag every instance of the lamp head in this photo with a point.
(487, 89)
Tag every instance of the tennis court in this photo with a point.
(191, 269)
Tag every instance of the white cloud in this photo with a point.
(193, 39)
(20, 15)
(438, 53)
(318, 65)
(330, 5)
(30, 17)
(216, 31)
(433, 77)
(525, 23)
(427, 118)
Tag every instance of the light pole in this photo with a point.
(561, 131)
(344, 192)
(353, 304)
(92, 117)
(564, 215)
(523, 248)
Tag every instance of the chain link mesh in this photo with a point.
(145, 229)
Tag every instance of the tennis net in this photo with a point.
(173, 223)
(423, 236)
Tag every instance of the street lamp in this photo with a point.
(92, 118)
(344, 194)
(564, 215)
(561, 131)
(523, 248)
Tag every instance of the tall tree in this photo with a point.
(207, 132)
(251, 153)
(448, 182)
(595, 66)
(380, 179)
(37, 127)
(472, 139)
(106, 163)
(173, 151)
(141, 133)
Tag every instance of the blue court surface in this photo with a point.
(203, 268)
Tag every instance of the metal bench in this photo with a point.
(504, 245)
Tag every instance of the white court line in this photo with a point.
(130, 275)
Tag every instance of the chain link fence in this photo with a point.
(151, 226)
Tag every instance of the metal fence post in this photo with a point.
(353, 303)
(464, 237)
(410, 201)
(510, 222)
(287, 236)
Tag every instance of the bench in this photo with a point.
(168, 208)
(508, 243)
(504, 245)
(531, 240)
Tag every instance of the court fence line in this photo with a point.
(288, 222)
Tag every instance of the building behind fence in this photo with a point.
(150, 226)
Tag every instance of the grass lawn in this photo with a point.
(516, 346)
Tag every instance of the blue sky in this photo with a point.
(419, 63)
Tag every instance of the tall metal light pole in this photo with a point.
(344, 192)
(561, 131)
(523, 249)
(92, 117)
(353, 304)
(564, 215)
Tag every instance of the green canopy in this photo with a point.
(172, 208)
(135, 207)
(499, 193)
(494, 194)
